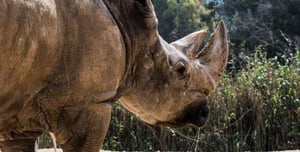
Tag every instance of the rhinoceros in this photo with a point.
(63, 63)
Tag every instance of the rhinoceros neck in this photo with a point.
(136, 36)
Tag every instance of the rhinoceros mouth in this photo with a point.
(195, 114)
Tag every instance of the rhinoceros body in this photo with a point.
(64, 62)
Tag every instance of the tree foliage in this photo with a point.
(178, 18)
(270, 25)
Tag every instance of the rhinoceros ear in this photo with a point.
(190, 43)
(144, 5)
(143, 2)
(214, 55)
(146, 10)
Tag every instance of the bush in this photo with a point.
(257, 108)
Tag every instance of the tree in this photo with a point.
(269, 25)
(178, 18)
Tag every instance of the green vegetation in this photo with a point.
(178, 18)
(269, 25)
(258, 108)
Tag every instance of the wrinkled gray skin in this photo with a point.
(63, 62)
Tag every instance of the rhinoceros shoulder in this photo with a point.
(55, 54)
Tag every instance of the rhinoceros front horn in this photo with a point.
(214, 55)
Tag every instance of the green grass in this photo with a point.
(258, 107)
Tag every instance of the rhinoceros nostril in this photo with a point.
(203, 114)
(195, 114)
(198, 115)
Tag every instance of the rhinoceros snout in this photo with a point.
(202, 116)
(197, 115)
(194, 115)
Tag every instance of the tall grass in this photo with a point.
(256, 108)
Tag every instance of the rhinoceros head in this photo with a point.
(170, 83)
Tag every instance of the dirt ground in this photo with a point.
(49, 150)
(59, 150)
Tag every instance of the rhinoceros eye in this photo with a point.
(180, 70)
